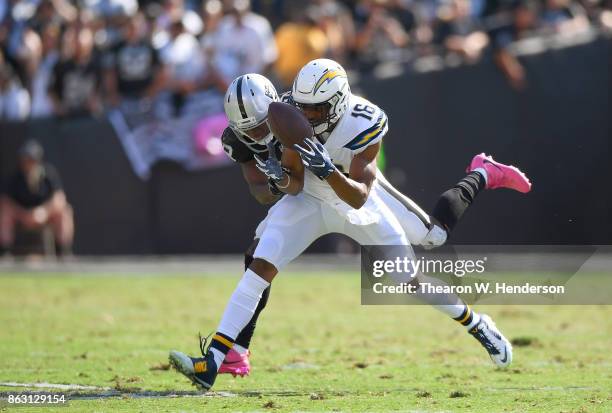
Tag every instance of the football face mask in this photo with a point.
(317, 114)
(259, 133)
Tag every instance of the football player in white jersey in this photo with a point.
(344, 195)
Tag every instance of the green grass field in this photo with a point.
(316, 349)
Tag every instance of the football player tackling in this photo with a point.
(347, 196)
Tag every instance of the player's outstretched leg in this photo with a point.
(453, 203)
(483, 173)
(237, 361)
(480, 326)
(483, 329)
(432, 231)
(202, 371)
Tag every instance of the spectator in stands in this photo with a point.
(185, 61)
(112, 9)
(213, 17)
(274, 10)
(34, 198)
(603, 15)
(21, 47)
(458, 32)
(76, 79)
(299, 41)
(212, 12)
(52, 12)
(203, 53)
(423, 16)
(523, 21)
(172, 11)
(336, 21)
(42, 105)
(379, 33)
(243, 42)
(599, 12)
(563, 16)
(260, 24)
(14, 98)
(133, 70)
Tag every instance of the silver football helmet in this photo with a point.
(246, 107)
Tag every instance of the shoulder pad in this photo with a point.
(234, 147)
(369, 122)
(374, 130)
(242, 150)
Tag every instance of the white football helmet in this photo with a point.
(246, 107)
(322, 91)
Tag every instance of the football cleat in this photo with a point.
(500, 175)
(498, 347)
(202, 371)
(236, 364)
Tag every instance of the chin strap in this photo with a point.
(267, 140)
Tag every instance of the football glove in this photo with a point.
(316, 158)
(271, 167)
(273, 188)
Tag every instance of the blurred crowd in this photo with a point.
(75, 57)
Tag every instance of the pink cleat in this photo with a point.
(500, 175)
(236, 364)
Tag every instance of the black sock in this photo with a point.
(453, 203)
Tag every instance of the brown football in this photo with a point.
(288, 124)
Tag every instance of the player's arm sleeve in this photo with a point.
(236, 150)
(371, 135)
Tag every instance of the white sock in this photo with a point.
(240, 308)
(459, 311)
(450, 304)
(483, 172)
(239, 349)
(475, 320)
(219, 357)
(453, 311)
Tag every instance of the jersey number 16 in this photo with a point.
(363, 111)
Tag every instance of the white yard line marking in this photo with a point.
(58, 386)
(83, 392)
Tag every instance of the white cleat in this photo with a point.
(498, 346)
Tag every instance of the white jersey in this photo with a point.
(362, 125)
(294, 222)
